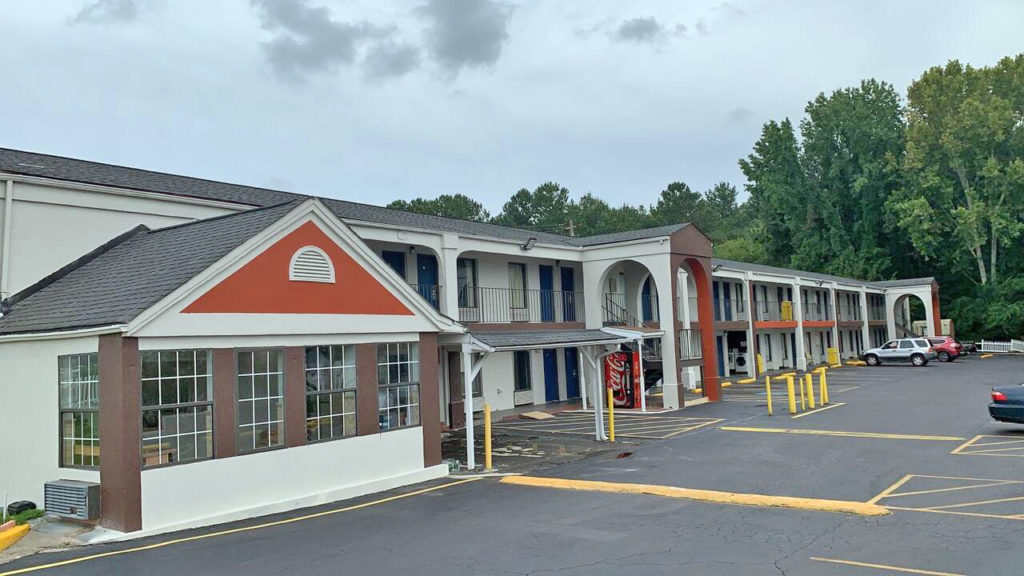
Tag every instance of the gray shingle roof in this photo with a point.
(118, 285)
(73, 170)
(765, 269)
(541, 338)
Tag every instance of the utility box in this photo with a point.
(72, 499)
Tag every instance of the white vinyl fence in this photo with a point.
(1011, 346)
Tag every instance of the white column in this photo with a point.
(449, 254)
(929, 313)
(798, 311)
(467, 395)
(890, 315)
(593, 293)
(662, 274)
(581, 362)
(834, 312)
(751, 314)
(865, 326)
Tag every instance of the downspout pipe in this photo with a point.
(5, 253)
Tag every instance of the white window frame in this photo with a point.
(392, 389)
(340, 395)
(273, 401)
(199, 429)
(80, 398)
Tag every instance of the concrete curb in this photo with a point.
(11, 535)
(760, 500)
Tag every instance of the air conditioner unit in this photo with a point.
(72, 499)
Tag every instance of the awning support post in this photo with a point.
(583, 378)
(643, 384)
(470, 369)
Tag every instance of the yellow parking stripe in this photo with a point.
(166, 543)
(883, 567)
(715, 496)
(842, 433)
(953, 489)
(889, 490)
(980, 503)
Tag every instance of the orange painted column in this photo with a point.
(706, 319)
(936, 317)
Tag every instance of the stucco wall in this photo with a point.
(30, 424)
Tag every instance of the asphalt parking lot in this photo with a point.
(915, 443)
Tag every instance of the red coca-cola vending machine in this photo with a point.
(622, 376)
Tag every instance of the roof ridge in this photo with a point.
(226, 216)
(148, 171)
(75, 264)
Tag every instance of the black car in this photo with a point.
(1008, 404)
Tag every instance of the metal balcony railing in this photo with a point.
(430, 292)
(615, 312)
(774, 311)
(513, 305)
(816, 312)
(876, 313)
(689, 344)
(849, 313)
(730, 310)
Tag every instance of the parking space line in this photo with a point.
(883, 567)
(829, 407)
(975, 447)
(714, 496)
(975, 514)
(841, 433)
(955, 508)
(979, 503)
(953, 489)
(889, 490)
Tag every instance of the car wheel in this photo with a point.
(945, 357)
(918, 360)
(872, 360)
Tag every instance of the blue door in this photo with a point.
(714, 292)
(550, 375)
(568, 295)
(726, 293)
(721, 357)
(645, 301)
(396, 260)
(426, 268)
(792, 341)
(572, 373)
(547, 294)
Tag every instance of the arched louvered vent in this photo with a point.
(311, 264)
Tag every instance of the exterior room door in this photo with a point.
(426, 268)
(572, 373)
(568, 295)
(550, 375)
(547, 293)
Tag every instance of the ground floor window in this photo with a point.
(330, 392)
(177, 406)
(260, 400)
(521, 370)
(398, 380)
(79, 381)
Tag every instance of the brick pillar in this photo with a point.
(367, 410)
(430, 399)
(294, 396)
(120, 433)
(224, 413)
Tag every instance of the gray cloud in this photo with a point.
(731, 9)
(389, 59)
(466, 33)
(107, 12)
(643, 30)
(309, 40)
(740, 115)
(702, 28)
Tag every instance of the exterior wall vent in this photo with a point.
(311, 264)
(72, 499)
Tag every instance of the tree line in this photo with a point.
(868, 184)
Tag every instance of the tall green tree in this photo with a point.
(545, 208)
(718, 213)
(963, 201)
(448, 205)
(775, 181)
(676, 204)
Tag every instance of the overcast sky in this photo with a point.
(373, 100)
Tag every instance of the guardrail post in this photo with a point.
(611, 416)
(487, 437)
(768, 390)
(791, 393)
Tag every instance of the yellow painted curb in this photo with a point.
(747, 381)
(698, 390)
(726, 384)
(986, 356)
(761, 500)
(11, 535)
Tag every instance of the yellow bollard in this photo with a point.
(792, 394)
(768, 389)
(823, 388)
(487, 437)
(810, 389)
(611, 416)
(803, 395)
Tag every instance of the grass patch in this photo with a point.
(22, 518)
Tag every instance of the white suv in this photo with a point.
(915, 350)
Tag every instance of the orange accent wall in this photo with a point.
(262, 286)
(769, 324)
(820, 323)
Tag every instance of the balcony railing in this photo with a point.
(513, 305)
(816, 312)
(876, 313)
(849, 313)
(774, 311)
(430, 292)
(730, 310)
(615, 312)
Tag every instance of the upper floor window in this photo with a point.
(398, 378)
(177, 406)
(467, 279)
(311, 264)
(517, 284)
(79, 382)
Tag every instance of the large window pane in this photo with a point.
(177, 406)
(79, 393)
(260, 384)
(330, 392)
(398, 379)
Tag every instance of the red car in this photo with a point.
(947, 349)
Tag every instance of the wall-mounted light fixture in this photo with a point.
(529, 244)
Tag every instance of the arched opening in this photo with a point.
(910, 316)
(628, 295)
(698, 356)
(418, 265)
